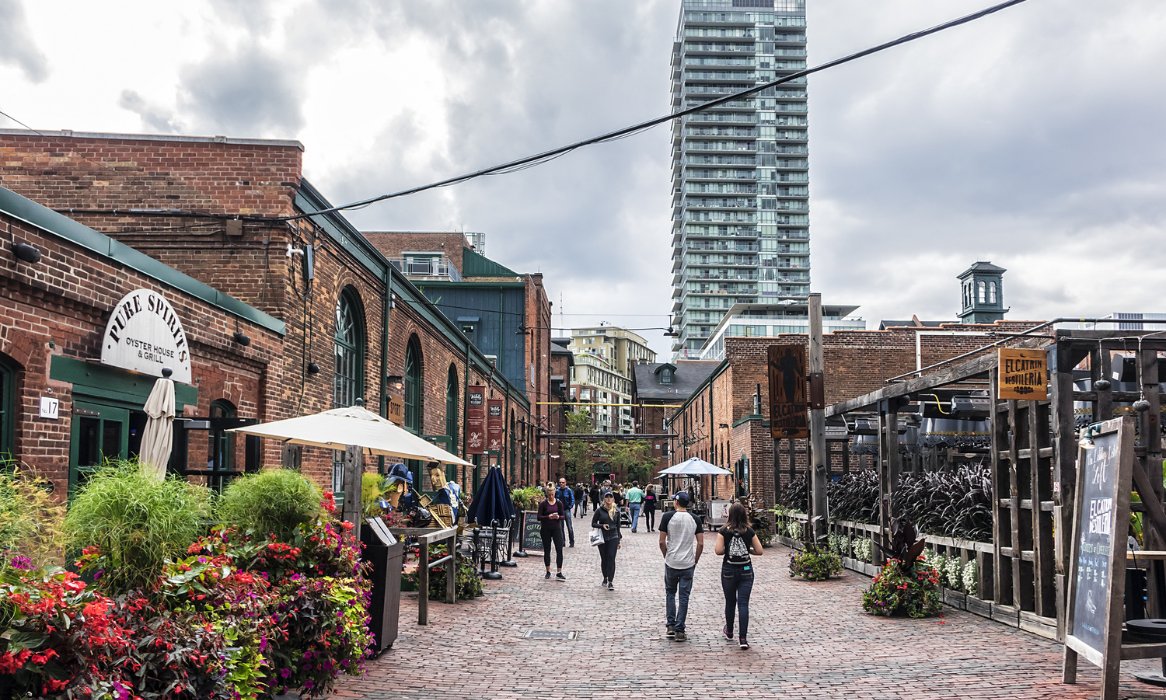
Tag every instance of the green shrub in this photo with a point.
(371, 492)
(30, 519)
(903, 589)
(133, 523)
(814, 563)
(273, 501)
(527, 498)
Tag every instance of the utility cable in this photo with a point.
(545, 156)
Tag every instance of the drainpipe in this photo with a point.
(386, 304)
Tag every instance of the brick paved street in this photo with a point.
(809, 640)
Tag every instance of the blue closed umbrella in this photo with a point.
(491, 506)
(492, 501)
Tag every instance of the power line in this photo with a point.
(546, 156)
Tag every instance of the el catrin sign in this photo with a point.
(144, 334)
(1024, 375)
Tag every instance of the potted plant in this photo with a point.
(905, 585)
(815, 561)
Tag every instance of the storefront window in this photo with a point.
(451, 408)
(221, 450)
(414, 382)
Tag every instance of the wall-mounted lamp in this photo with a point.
(26, 252)
(313, 368)
(241, 338)
(395, 381)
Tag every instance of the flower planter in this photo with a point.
(956, 599)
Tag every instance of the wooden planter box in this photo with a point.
(955, 599)
(982, 608)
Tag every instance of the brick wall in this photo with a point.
(393, 244)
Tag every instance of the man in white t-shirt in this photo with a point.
(681, 543)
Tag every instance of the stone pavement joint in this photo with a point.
(809, 640)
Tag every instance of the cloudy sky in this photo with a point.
(1032, 138)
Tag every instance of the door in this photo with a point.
(99, 432)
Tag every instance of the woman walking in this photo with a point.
(736, 541)
(607, 520)
(650, 507)
(550, 517)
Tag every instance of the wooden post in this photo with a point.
(451, 570)
(353, 469)
(818, 457)
(423, 584)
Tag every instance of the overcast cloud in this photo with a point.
(1030, 138)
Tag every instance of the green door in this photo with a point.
(99, 432)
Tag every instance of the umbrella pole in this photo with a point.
(493, 574)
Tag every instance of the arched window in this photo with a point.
(451, 410)
(7, 407)
(982, 287)
(666, 375)
(350, 347)
(991, 292)
(414, 383)
(221, 450)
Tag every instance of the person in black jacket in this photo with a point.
(551, 514)
(606, 519)
(594, 494)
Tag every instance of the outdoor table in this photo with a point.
(1149, 650)
(425, 537)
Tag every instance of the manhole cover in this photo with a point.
(551, 635)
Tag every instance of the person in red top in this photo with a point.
(551, 514)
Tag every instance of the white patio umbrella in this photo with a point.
(158, 435)
(340, 428)
(694, 466)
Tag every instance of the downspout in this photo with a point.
(386, 304)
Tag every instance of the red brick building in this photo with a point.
(658, 390)
(719, 421)
(242, 247)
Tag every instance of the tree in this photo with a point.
(633, 458)
(576, 453)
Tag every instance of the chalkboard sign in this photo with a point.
(1097, 566)
(531, 531)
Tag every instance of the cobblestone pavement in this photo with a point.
(809, 640)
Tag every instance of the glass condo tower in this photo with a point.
(740, 171)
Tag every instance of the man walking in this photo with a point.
(635, 502)
(567, 496)
(580, 499)
(681, 543)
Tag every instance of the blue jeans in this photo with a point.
(570, 527)
(635, 514)
(737, 583)
(677, 579)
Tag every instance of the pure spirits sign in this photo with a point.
(145, 335)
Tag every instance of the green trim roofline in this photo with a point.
(309, 200)
(63, 227)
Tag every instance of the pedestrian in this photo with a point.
(580, 499)
(567, 496)
(650, 507)
(607, 521)
(635, 498)
(594, 494)
(736, 541)
(681, 543)
(550, 518)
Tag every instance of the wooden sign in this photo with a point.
(396, 410)
(1023, 375)
(475, 420)
(788, 415)
(495, 425)
(1097, 562)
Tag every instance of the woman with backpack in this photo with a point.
(737, 543)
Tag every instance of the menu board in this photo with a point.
(532, 537)
(1104, 471)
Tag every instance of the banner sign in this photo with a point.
(1023, 375)
(476, 419)
(144, 335)
(788, 414)
(495, 425)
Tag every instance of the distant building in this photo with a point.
(658, 390)
(604, 357)
(982, 287)
(770, 320)
(562, 362)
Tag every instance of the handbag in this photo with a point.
(596, 536)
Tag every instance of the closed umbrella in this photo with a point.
(491, 506)
(158, 436)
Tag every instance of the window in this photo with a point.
(991, 292)
(666, 375)
(350, 347)
(414, 383)
(348, 378)
(7, 403)
(221, 450)
(982, 293)
(451, 409)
